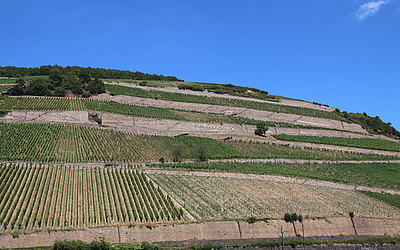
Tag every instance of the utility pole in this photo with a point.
(283, 243)
(304, 241)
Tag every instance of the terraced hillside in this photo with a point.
(146, 150)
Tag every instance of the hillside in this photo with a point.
(86, 149)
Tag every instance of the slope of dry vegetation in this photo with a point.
(211, 198)
(381, 175)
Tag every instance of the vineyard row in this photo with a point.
(49, 198)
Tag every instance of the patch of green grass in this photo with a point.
(383, 175)
(122, 90)
(368, 143)
(392, 199)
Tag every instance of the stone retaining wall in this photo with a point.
(224, 230)
(242, 112)
(287, 102)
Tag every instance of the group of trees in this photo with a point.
(199, 152)
(371, 124)
(59, 84)
(11, 71)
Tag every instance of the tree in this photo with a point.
(59, 91)
(292, 218)
(201, 152)
(39, 87)
(261, 129)
(177, 153)
(19, 88)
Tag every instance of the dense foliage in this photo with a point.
(16, 72)
(384, 175)
(368, 143)
(229, 89)
(371, 124)
(59, 84)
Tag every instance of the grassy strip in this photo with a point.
(392, 199)
(123, 90)
(368, 143)
(382, 175)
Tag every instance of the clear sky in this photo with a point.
(344, 53)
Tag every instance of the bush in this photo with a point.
(201, 152)
(261, 129)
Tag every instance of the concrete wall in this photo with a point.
(208, 231)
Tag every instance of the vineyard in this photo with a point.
(368, 143)
(271, 150)
(4, 87)
(67, 143)
(213, 198)
(381, 175)
(178, 97)
(50, 198)
(392, 199)
(59, 103)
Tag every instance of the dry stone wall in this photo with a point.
(223, 230)
(66, 117)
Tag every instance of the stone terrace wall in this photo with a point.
(224, 230)
(227, 110)
(287, 102)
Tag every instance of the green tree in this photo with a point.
(177, 153)
(261, 129)
(292, 218)
(201, 152)
(19, 88)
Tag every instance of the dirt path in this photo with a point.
(273, 178)
(285, 102)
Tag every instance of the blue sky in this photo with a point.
(344, 53)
